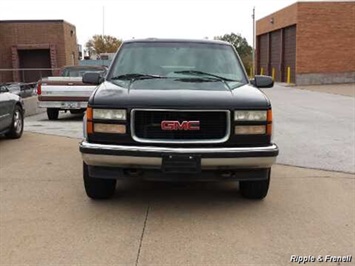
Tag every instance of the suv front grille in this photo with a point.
(146, 126)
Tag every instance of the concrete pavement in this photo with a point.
(31, 106)
(340, 89)
(312, 129)
(46, 218)
(68, 125)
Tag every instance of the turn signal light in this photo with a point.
(89, 113)
(249, 130)
(269, 121)
(89, 126)
(109, 128)
(269, 116)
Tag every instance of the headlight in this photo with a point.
(110, 114)
(250, 115)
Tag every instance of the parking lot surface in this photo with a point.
(312, 129)
(340, 89)
(68, 125)
(46, 218)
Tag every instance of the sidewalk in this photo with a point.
(340, 89)
(31, 106)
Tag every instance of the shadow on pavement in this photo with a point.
(64, 117)
(209, 194)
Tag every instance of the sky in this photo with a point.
(126, 19)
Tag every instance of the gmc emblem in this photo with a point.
(176, 125)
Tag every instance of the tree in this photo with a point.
(103, 44)
(241, 45)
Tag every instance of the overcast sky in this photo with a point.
(125, 19)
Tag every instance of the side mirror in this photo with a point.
(92, 78)
(260, 81)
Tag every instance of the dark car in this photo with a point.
(11, 114)
(177, 110)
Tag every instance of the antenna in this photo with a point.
(103, 21)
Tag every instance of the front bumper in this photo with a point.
(146, 157)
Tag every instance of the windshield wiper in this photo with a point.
(136, 76)
(201, 73)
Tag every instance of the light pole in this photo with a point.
(253, 16)
(103, 31)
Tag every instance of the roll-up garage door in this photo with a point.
(275, 54)
(289, 56)
(263, 54)
(34, 59)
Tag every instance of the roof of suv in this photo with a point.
(178, 40)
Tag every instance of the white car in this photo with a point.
(11, 114)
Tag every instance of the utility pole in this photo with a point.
(103, 21)
(103, 30)
(253, 16)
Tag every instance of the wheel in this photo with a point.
(52, 113)
(97, 188)
(17, 124)
(255, 189)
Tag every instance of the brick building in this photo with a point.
(35, 44)
(314, 41)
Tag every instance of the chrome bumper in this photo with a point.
(151, 157)
(62, 105)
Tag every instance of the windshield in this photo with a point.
(181, 60)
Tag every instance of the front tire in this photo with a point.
(97, 188)
(255, 189)
(16, 129)
(52, 113)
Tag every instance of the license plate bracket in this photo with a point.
(181, 163)
(71, 105)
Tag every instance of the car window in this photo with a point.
(77, 72)
(14, 88)
(3, 89)
(168, 58)
(25, 87)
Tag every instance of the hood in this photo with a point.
(170, 93)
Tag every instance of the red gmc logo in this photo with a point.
(176, 125)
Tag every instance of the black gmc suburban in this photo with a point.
(177, 110)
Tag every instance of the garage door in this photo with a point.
(275, 54)
(263, 54)
(34, 59)
(289, 57)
